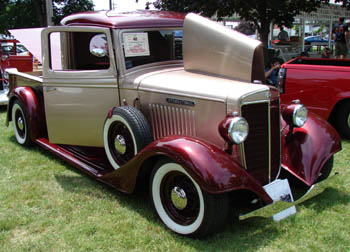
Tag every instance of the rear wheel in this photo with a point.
(182, 205)
(20, 123)
(343, 119)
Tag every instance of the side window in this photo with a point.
(78, 51)
(151, 46)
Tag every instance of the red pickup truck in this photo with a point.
(322, 85)
(12, 55)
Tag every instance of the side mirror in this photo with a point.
(98, 52)
(99, 45)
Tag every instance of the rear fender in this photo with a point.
(213, 169)
(35, 113)
(306, 149)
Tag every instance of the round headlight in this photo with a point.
(238, 130)
(299, 115)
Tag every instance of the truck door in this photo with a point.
(80, 83)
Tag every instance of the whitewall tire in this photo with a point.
(125, 134)
(20, 123)
(181, 204)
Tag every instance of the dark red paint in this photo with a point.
(126, 20)
(213, 169)
(306, 149)
(34, 106)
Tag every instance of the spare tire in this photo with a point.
(125, 133)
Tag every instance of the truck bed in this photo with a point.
(319, 62)
(19, 79)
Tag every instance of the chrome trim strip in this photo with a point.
(254, 102)
(279, 206)
(243, 156)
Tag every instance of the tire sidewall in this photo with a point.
(21, 140)
(156, 181)
(109, 122)
(342, 120)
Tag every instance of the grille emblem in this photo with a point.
(181, 102)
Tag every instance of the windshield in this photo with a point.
(144, 47)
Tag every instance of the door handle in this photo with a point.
(49, 89)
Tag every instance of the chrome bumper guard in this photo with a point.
(278, 206)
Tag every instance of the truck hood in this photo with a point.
(179, 82)
(209, 47)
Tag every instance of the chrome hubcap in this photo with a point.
(20, 123)
(178, 198)
(119, 144)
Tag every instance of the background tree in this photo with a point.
(64, 8)
(260, 12)
(32, 13)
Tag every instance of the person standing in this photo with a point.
(338, 34)
(347, 35)
(283, 35)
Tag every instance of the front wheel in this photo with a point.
(20, 123)
(182, 205)
(343, 119)
(326, 169)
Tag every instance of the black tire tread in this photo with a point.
(138, 124)
(28, 141)
(341, 119)
(326, 169)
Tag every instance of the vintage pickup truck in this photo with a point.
(322, 85)
(129, 102)
(12, 56)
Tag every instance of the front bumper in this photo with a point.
(3, 97)
(279, 206)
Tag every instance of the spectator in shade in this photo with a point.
(283, 35)
(339, 35)
(271, 73)
(326, 53)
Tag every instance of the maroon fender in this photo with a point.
(34, 111)
(213, 169)
(306, 149)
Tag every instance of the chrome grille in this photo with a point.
(262, 147)
(167, 120)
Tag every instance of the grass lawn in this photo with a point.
(48, 205)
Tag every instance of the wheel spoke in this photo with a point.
(119, 130)
(182, 215)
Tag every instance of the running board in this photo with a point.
(88, 160)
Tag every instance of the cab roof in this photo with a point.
(126, 20)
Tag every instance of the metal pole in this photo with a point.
(49, 12)
(303, 35)
(110, 4)
(330, 34)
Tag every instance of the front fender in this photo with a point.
(213, 169)
(34, 111)
(306, 149)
